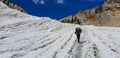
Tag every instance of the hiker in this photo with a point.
(78, 32)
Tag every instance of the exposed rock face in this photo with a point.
(111, 14)
(13, 6)
(82, 18)
(106, 15)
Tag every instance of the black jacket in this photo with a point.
(78, 31)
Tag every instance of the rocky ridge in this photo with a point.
(13, 6)
(107, 14)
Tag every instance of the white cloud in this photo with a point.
(95, 0)
(43, 1)
(39, 1)
(35, 1)
(60, 1)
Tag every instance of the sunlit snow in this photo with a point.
(26, 36)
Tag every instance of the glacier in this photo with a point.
(27, 36)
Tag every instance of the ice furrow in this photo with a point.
(48, 40)
(95, 39)
(52, 50)
(59, 51)
(112, 46)
(65, 52)
(43, 50)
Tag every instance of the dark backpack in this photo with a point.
(78, 30)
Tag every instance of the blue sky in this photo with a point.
(56, 9)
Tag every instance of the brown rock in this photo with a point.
(107, 14)
(13, 6)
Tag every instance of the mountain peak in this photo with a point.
(107, 14)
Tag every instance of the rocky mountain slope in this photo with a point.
(13, 6)
(107, 14)
(26, 36)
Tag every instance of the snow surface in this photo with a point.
(26, 36)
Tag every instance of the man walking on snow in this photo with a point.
(78, 32)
